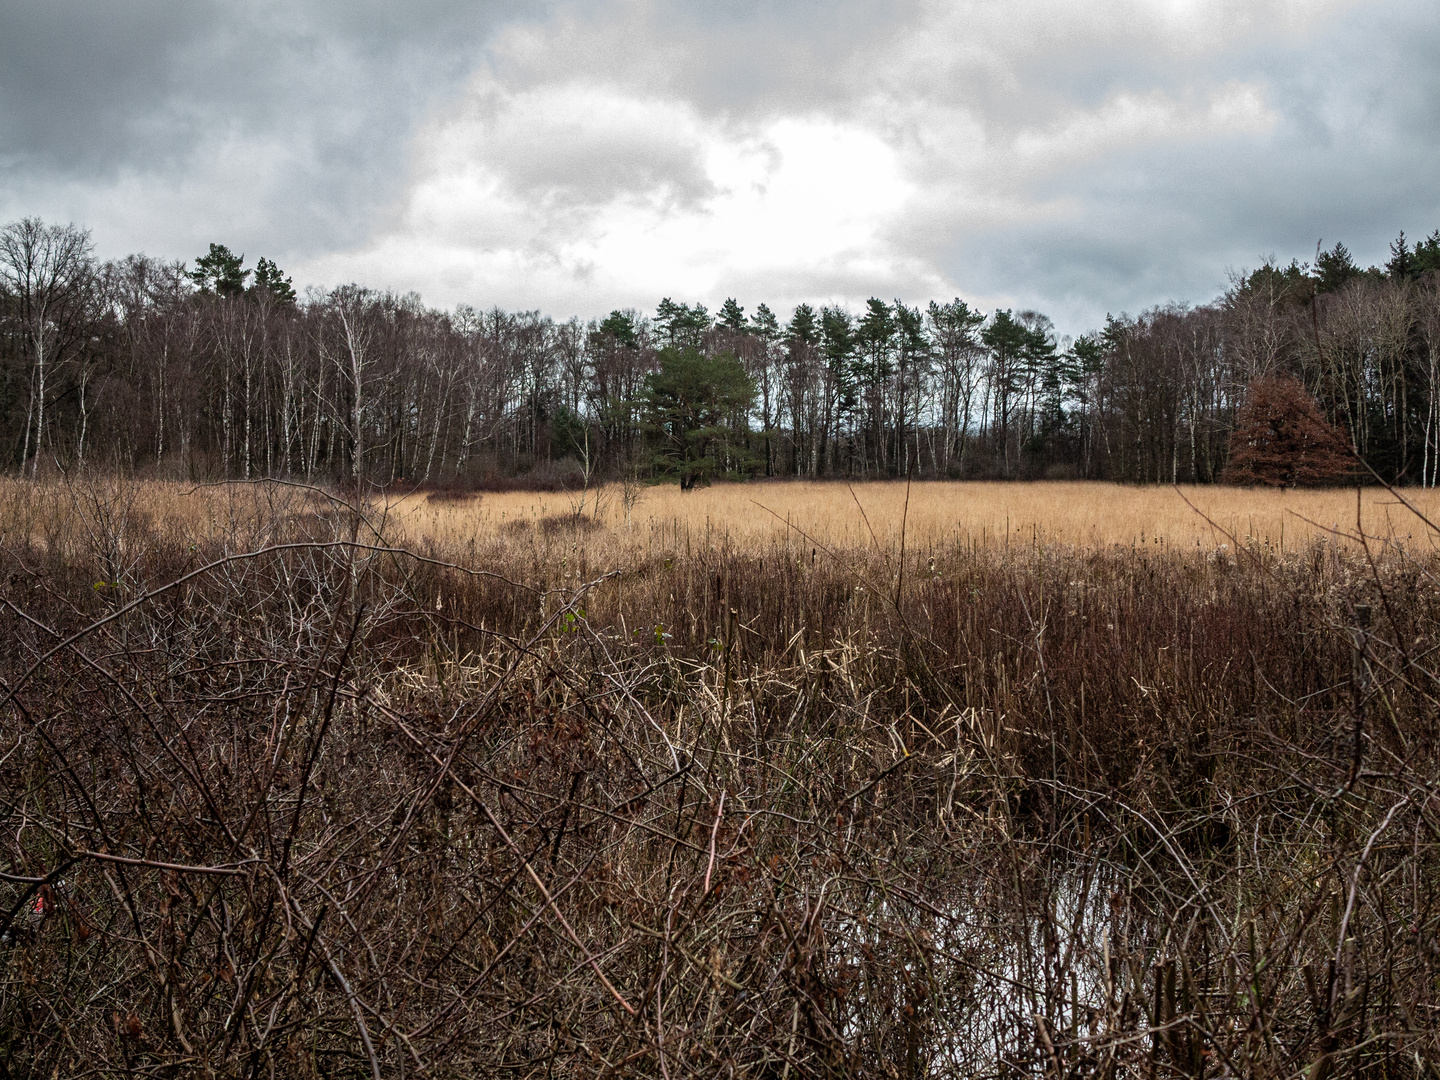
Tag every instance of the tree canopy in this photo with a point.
(1282, 439)
(220, 271)
(686, 405)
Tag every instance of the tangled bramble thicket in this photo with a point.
(290, 799)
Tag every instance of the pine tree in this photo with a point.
(687, 404)
(1007, 339)
(764, 324)
(1427, 254)
(680, 323)
(837, 332)
(1334, 269)
(620, 325)
(876, 335)
(732, 316)
(220, 272)
(803, 327)
(1401, 266)
(668, 314)
(269, 278)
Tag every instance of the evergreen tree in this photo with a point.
(1334, 269)
(912, 342)
(764, 324)
(1427, 254)
(220, 272)
(1056, 377)
(803, 327)
(1401, 266)
(1085, 360)
(1085, 365)
(876, 338)
(269, 278)
(1006, 339)
(620, 325)
(680, 323)
(838, 343)
(912, 349)
(732, 316)
(955, 321)
(1040, 351)
(568, 434)
(1282, 286)
(695, 323)
(669, 319)
(687, 404)
(953, 327)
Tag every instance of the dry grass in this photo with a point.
(1069, 806)
(939, 516)
(1092, 515)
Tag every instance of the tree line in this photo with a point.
(216, 370)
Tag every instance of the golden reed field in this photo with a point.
(1078, 513)
(933, 515)
(942, 514)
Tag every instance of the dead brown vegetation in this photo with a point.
(1282, 439)
(292, 788)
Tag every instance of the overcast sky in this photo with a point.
(1075, 157)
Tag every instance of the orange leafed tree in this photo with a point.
(1282, 439)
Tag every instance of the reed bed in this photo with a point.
(936, 514)
(296, 786)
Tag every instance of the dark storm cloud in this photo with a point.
(90, 85)
(1352, 157)
(81, 82)
(1074, 158)
(317, 100)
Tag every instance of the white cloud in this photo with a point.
(587, 195)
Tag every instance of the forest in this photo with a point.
(215, 370)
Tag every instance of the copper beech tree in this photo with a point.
(1282, 439)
